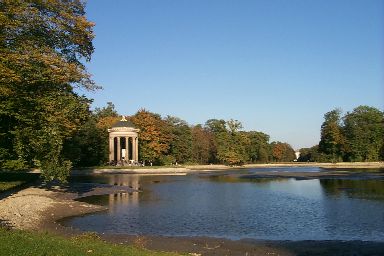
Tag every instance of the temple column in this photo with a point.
(118, 150)
(111, 149)
(127, 149)
(136, 149)
(133, 149)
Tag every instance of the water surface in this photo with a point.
(230, 206)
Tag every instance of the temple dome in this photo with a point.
(123, 123)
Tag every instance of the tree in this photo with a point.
(364, 133)
(180, 145)
(89, 145)
(216, 126)
(234, 126)
(154, 138)
(230, 143)
(332, 139)
(258, 146)
(203, 145)
(312, 154)
(282, 152)
(42, 44)
(106, 112)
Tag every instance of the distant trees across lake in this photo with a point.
(167, 140)
(356, 136)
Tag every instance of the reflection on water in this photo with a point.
(365, 189)
(123, 199)
(232, 207)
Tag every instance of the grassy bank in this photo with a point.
(18, 242)
(10, 180)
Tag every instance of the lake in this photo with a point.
(232, 205)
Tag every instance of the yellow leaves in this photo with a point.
(106, 122)
(30, 65)
(5, 92)
(8, 76)
(42, 41)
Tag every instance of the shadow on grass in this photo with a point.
(335, 248)
(13, 182)
(76, 190)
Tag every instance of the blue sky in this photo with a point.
(275, 65)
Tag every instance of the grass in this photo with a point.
(9, 185)
(16, 242)
(10, 180)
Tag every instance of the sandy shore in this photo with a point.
(40, 208)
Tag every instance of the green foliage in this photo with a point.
(364, 132)
(9, 185)
(14, 165)
(10, 180)
(204, 148)
(88, 146)
(358, 137)
(332, 138)
(230, 142)
(56, 170)
(313, 154)
(180, 145)
(108, 111)
(18, 242)
(258, 149)
(41, 45)
(166, 160)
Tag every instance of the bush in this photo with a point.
(14, 165)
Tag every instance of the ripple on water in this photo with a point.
(230, 207)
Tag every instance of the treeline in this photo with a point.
(357, 136)
(167, 140)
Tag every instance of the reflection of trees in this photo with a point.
(245, 178)
(125, 180)
(368, 189)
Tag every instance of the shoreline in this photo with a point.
(187, 169)
(41, 209)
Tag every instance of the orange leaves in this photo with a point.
(106, 122)
(282, 152)
(154, 138)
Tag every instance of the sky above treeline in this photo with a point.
(275, 65)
